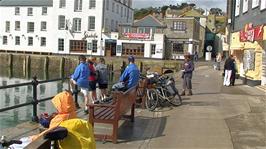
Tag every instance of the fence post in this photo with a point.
(76, 96)
(35, 100)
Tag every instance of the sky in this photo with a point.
(204, 4)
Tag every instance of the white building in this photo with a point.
(143, 38)
(61, 26)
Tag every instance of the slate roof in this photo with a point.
(26, 2)
(148, 21)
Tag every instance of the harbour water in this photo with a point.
(19, 95)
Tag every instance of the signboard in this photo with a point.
(137, 35)
(249, 60)
(209, 48)
(251, 33)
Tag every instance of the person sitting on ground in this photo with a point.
(130, 76)
(102, 78)
(92, 81)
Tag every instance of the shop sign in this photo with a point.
(251, 33)
(137, 35)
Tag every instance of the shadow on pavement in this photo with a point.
(143, 128)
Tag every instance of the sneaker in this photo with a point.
(86, 111)
(96, 102)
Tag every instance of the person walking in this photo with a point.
(102, 78)
(80, 78)
(228, 68)
(187, 71)
(218, 61)
(234, 71)
(130, 76)
(92, 81)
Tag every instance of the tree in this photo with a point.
(216, 11)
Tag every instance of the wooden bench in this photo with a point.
(41, 143)
(113, 112)
(141, 92)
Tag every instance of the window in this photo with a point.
(237, 8)
(113, 7)
(245, 6)
(17, 40)
(153, 48)
(121, 11)
(263, 5)
(126, 29)
(62, 3)
(60, 44)
(255, 3)
(43, 26)
(4, 40)
(178, 48)
(43, 41)
(61, 22)
(77, 24)
(7, 26)
(17, 10)
(17, 25)
(141, 30)
(125, 13)
(78, 46)
(78, 5)
(30, 27)
(30, 11)
(44, 10)
(117, 9)
(91, 23)
(94, 45)
(30, 41)
(112, 25)
(179, 26)
(92, 4)
(107, 4)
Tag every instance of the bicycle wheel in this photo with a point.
(175, 100)
(152, 99)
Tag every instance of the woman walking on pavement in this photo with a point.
(187, 70)
(229, 66)
(92, 80)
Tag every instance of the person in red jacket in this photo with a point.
(92, 80)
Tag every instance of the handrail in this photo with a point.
(35, 99)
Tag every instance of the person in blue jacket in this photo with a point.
(187, 71)
(131, 74)
(80, 78)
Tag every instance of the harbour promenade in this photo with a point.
(215, 117)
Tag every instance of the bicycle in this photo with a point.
(162, 89)
(4, 143)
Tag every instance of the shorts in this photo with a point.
(83, 90)
(103, 86)
(92, 85)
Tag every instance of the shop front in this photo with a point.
(247, 46)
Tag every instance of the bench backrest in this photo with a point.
(125, 100)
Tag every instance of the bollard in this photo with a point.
(62, 66)
(35, 100)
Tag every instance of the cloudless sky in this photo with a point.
(204, 4)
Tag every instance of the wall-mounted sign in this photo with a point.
(118, 48)
(249, 60)
(137, 35)
(90, 35)
(250, 33)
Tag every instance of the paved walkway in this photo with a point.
(215, 117)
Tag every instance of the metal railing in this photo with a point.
(35, 99)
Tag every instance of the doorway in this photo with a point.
(110, 47)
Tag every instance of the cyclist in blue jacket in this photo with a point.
(131, 74)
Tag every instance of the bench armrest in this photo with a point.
(101, 105)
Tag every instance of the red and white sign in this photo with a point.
(251, 33)
(137, 35)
